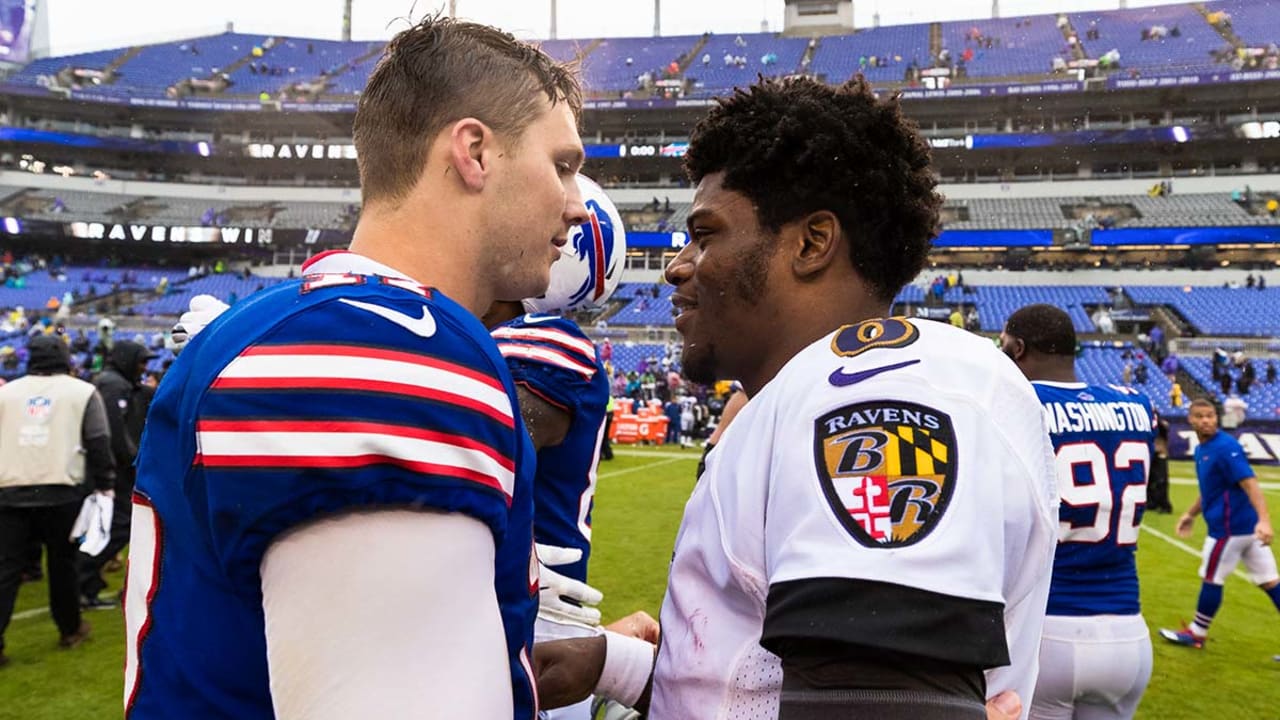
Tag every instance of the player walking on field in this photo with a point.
(1236, 514)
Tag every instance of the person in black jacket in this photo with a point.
(126, 400)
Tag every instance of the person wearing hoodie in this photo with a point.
(126, 400)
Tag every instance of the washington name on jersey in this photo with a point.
(1103, 442)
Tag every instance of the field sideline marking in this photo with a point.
(649, 466)
(659, 453)
(1266, 486)
(1183, 546)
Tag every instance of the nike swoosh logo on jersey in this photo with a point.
(531, 320)
(840, 378)
(424, 326)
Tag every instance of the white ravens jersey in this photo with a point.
(891, 488)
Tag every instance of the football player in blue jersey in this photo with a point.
(1235, 512)
(564, 395)
(1095, 652)
(362, 416)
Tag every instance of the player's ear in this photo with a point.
(818, 243)
(471, 150)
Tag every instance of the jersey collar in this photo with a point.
(337, 262)
(1063, 385)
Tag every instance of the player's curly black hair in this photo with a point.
(796, 146)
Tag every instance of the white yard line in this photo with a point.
(1187, 548)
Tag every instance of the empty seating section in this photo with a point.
(1219, 311)
(156, 67)
(352, 81)
(838, 57)
(607, 68)
(31, 74)
(40, 285)
(298, 60)
(227, 288)
(1177, 210)
(627, 356)
(1012, 214)
(565, 50)
(1105, 366)
(643, 308)
(1263, 399)
(1019, 45)
(1122, 30)
(996, 303)
(715, 76)
(1256, 23)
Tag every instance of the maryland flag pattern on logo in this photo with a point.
(887, 468)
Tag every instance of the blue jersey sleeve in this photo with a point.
(377, 400)
(1234, 463)
(551, 356)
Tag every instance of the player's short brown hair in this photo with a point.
(436, 73)
(1202, 402)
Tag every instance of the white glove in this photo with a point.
(555, 591)
(202, 310)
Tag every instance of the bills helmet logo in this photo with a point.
(590, 264)
(887, 469)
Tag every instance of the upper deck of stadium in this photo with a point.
(1191, 43)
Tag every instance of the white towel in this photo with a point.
(93, 524)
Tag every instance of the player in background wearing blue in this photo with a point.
(1095, 652)
(563, 391)
(362, 417)
(1235, 512)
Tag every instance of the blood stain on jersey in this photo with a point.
(894, 332)
(887, 468)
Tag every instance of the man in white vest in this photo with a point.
(54, 446)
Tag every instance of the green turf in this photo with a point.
(639, 503)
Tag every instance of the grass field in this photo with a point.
(639, 504)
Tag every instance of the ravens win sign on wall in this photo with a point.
(887, 468)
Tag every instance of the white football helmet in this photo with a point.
(591, 263)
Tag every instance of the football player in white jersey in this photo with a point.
(873, 536)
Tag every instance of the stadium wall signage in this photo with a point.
(1259, 438)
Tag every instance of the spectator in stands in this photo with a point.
(1156, 345)
(1262, 282)
(1140, 373)
(1271, 371)
(1250, 281)
(1170, 365)
(1102, 320)
(956, 318)
(1234, 409)
(1225, 381)
(1126, 374)
(1175, 395)
(1247, 377)
(80, 343)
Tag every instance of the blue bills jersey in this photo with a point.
(1103, 440)
(1220, 467)
(553, 359)
(322, 395)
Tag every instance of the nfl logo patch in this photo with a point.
(887, 469)
(39, 407)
